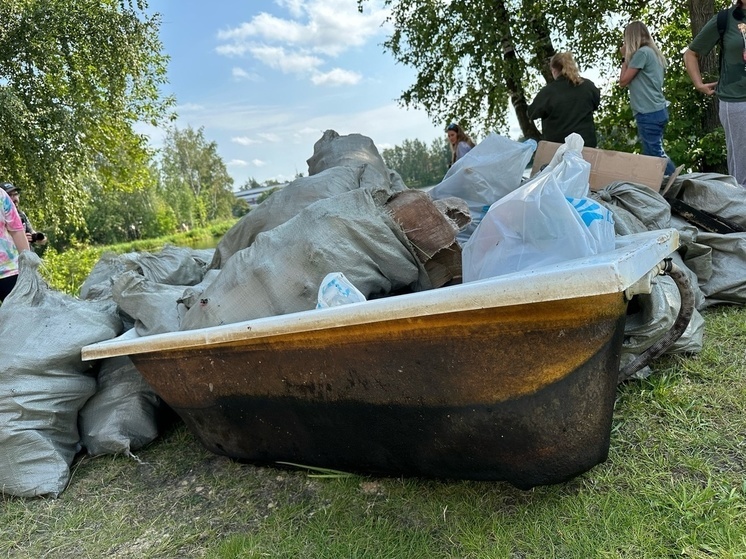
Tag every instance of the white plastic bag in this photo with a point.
(488, 172)
(336, 289)
(547, 220)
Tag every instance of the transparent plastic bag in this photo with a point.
(547, 220)
(488, 172)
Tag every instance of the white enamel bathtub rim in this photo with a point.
(611, 272)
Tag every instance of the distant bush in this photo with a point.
(66, 271)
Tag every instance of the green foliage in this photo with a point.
(690, 140)
(476, 59)
(114, 216)
(418, 165)
(473, 60)
(250, 183)
(67, 270)
(194, 179)
(76, 76)
(240, 207)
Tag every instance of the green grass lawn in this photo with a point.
(673, 486)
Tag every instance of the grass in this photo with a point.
(673, 485)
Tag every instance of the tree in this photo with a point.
(472, 57)
(195, 181)
(693, 136)
(417, 164)
(115, 216)
(266, 194)
(250, 183)
(76, 76)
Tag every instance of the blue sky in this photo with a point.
(265, 78)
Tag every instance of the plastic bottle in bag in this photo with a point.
(335, 290)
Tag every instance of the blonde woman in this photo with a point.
(459, 141)
(566, 105)
(643, 67)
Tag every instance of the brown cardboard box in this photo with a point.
(610, 166)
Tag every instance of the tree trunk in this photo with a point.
(512, 77)
(543, 47)
(700, 12)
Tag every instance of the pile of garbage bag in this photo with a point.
(350, 231)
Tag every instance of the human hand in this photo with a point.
(707, 88)
(37, 238)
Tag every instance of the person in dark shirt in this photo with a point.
(566, 105)
(730, 88)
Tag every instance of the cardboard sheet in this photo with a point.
(609, 166)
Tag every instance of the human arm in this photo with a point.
(538, 107)
(595, 94)
(626, 74)
(20, 240)
(11, 221)
(702, 45)
(691, 62)
(31, 233)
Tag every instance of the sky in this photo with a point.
(266, 78)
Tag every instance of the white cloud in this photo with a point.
(237, 163)
(295, 7)
(286, 62)
(314, 32)
(258, 163)
(239, 74)
(244, 141)
(233, 118)
(189, 107)
(267, 27)
(232, 49)
(269, 137)
(308, 131)
(386, 125)
(324, 26)
(337, 76)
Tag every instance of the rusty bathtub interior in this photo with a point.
(512, 378)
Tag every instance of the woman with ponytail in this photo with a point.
(566, 105)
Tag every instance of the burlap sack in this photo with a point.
(281, 271)
(43, 382)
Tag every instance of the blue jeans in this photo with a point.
(650, 128)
